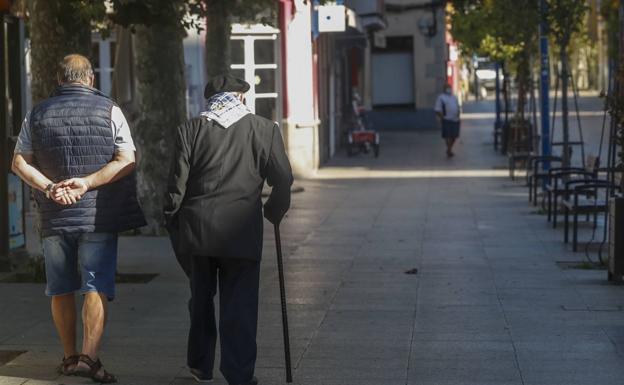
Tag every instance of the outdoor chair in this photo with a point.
(537, 173)
(558, 176)
(558, 182)
(587, 198)
(514, 159)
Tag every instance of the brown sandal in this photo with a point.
(94, 368)
(63, 368)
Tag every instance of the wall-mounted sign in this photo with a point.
(331, 18)
(16, 212)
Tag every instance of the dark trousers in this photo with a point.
(238, 281)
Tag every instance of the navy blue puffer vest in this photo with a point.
(72, 137)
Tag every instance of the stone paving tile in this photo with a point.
(587, 370)
(477, 370)
(12, 380)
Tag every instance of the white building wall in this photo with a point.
(301, 130)
(194, 48)
(429, 53)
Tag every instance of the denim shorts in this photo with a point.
(450, 129)
(94, 254)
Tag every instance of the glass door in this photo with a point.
(255, 57)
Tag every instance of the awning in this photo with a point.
(373, 22)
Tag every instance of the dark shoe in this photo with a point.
(200, 376)
(254, 381)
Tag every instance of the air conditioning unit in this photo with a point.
(616, 238)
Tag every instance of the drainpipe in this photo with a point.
(4, 136)
(285, 15)
(544, 82)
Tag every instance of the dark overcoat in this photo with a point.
(213, 205)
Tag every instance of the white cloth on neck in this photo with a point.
(225, 108)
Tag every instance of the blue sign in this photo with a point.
(16, 213)
(315, 19)
(544, 82)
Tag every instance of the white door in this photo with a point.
(255, 58)
(393, 78)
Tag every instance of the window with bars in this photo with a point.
(255, 58)
(103, 61)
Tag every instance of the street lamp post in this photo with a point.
(497, 123)
(544, 81)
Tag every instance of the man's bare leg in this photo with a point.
(64, 316)
(93, 319)
(451, 143)
(94, 312)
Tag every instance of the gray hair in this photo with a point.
(75, 68)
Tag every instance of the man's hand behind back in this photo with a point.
(69, 191)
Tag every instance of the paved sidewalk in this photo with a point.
(489, 305)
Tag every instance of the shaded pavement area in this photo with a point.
(489, 305)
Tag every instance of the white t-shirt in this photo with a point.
(119, 125)
(451, 109)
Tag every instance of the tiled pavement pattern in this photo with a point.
(489, 305)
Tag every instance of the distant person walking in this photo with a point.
(76, 152)
(213, 209)
(447, 109)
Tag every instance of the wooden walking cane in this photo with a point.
(280, 269)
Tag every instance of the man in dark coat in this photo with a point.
(213, 210)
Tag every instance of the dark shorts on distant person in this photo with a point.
(450, 129)
(94, 254)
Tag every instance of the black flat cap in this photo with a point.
(225, 83)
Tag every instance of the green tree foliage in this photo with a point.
(503, 30)
(170, 13)
(609, 12)
(468, 25)
(219, 15)
(58, 27)
(498, 29)
(614, 12)
(616, 110)
(565, 19)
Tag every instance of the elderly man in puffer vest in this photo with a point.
(76, 152)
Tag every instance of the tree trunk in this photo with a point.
(161, 86)
(564, 106)
(218, 32)
(619, 148)
(53, 35)
(506, 102)
(524, 79)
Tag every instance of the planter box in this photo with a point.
(616, 238)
